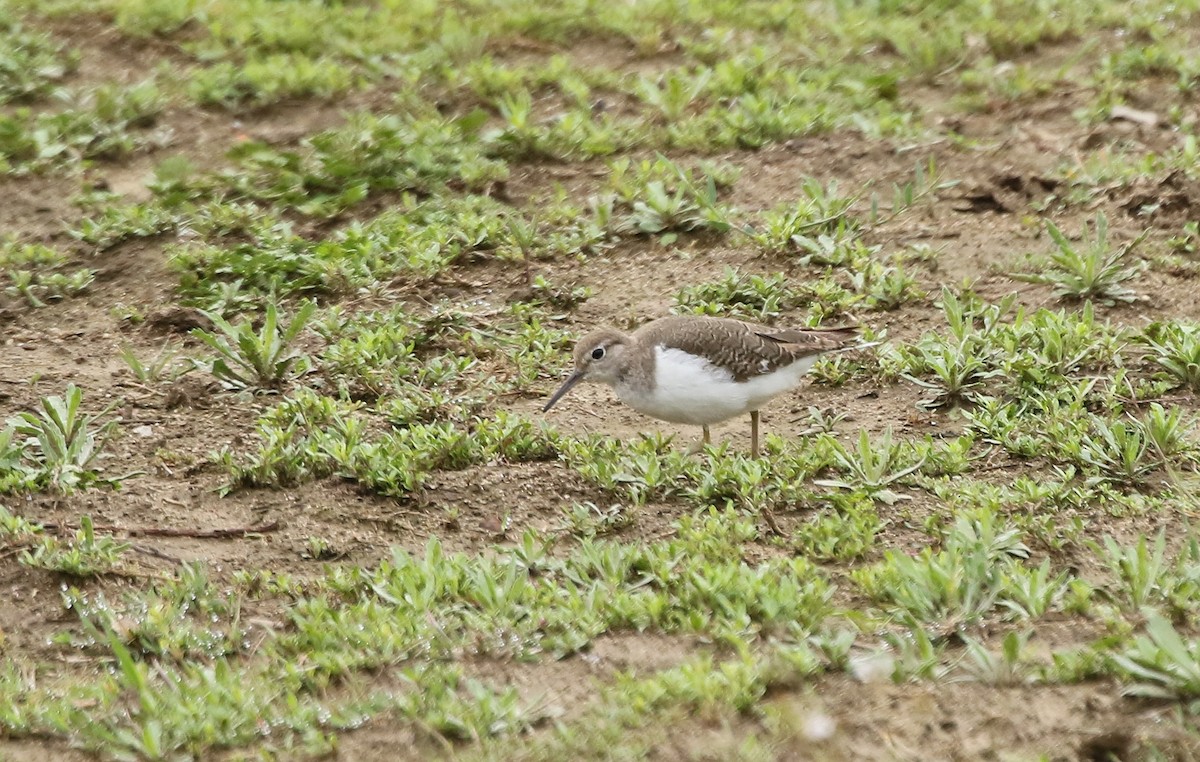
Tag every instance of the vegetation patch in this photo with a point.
(284, 286)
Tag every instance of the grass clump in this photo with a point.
(103, 122)
(1175, 347)
(31, 63)
(1161, 663)
(665, 199)
(369, 154)
(956, 366)
(791, 228)
(257, 359)
(1096, 271)
(267, 80)
(976, 572)
(872, 467)
(759, 298)
(38, 274)
(88, 555)
(60, 449)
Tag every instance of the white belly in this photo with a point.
(690, 389)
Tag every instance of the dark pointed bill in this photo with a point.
(566, 387)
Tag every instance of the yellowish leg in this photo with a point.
(767, 514)
(707, 436)
(698, 447)
(753, 433)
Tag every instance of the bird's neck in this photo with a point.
(637, 371)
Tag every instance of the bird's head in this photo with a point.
(597, 358)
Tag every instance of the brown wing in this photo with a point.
(744, 349)
(823, 339)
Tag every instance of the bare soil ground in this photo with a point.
(1015, 156)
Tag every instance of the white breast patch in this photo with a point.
(690, 389)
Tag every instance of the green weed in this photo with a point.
(959, 364)
(62, 445)
(262, 81)
(1161, 663)
(97, 123)
(1175, 347)
(87, 556)
(262, 359)
(36, 273)
(790, 228)
(1007, 667)
(760, 298)
(1095, 272)
(31, 63)
(872, 467)
(846, 533)
(976, 571)
(165, 366)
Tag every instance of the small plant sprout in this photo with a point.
(979, 567)
(162, 367)
(791, 228)
(1119, 451)
(12, 452)
(761, 298)
(1141, 570)
(958, 365)
(884, 288)
(822, 420)
(64, 442)
(1167, 430)
(1007, 667)
(915, 654)
(660, 210)
(844, 535)
(263, 359)
(532, 552)
(521, 134)
(523, 234)
(1094, 272)
(665, 199)
(87, 556)
(927, 181)
(674, 92)
(874, 466)
(562, 297)
(34, 271)
(318, 549)
(589, 520)
(1162, 663)
(1175, 347)
(1032, 594)
(13, 527)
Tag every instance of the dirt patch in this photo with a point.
(1007, 162)
(964, 721)
(41, 751)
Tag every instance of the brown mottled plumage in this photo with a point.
(700, 370)
(744, 349)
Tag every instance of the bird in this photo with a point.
(700, 370)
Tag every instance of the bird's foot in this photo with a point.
(698, 447)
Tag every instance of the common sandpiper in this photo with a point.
(701, 370)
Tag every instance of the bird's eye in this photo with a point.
(598, 353)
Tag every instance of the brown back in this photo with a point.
(744, 349)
